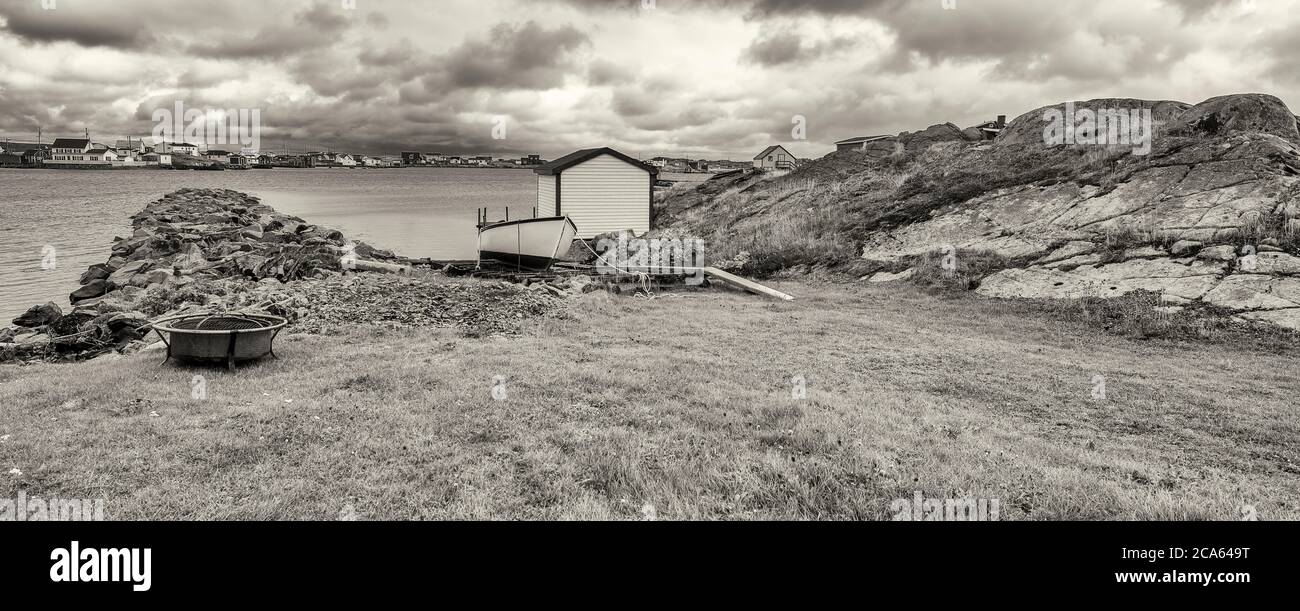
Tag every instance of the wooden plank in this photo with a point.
(747, 285)
(713, 272)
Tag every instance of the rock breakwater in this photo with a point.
(215, 250)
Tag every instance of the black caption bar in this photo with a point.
(306, 561)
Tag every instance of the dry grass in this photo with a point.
(682, 403)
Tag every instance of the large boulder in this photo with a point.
(39, 316)
(935, 134)
(91, 290)
(1256, 292)
(1027, 129)
(98, 271)
(123, 275)
(1245, 112)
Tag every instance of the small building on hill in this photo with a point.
(775, 158)
(857, 144)
(600, 189)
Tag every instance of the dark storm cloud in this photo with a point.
(316, 27)
(1198, 8)
(604, 72)
(790, 47)
(513, 57)
(28, 21)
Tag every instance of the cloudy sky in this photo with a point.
(698, 78)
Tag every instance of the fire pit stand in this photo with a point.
(227, 338)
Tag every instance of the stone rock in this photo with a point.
(888, 277)
(1288, 318)
(39, 316)
(1218, 253)
(1270, 263)
(935, 134)
(7, 335)
(1228, 114)
(1179, 283)
(123, 275)
(190, 258)
(1070, 250)
(126, 319)
(149, 278)
(1255, 292)
(1183, 247)
(1027, 129)
(92, 289)
(1145, 252)
(98, 271)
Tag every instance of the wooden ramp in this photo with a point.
(747, 285)
(716, 274)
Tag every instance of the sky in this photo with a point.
(706, 79)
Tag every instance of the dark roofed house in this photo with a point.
(856, 144)
(600, 189)
(71, 144)
(775, 158)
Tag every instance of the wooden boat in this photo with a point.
(526, 243)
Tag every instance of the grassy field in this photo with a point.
(678, 407)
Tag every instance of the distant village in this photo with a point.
(87, 153)
(131, 153)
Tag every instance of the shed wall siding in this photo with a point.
(545, 196)
(605, 194)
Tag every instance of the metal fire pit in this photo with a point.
(219, 338)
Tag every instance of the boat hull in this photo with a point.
(527, 243)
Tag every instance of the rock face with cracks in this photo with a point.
(1211, 215)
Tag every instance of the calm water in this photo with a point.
(417, 212)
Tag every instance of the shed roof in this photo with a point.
(772, 148)
(71, 143)
(577, 157)
(860, 140)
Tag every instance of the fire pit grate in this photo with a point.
(220, 323)
(224, 338)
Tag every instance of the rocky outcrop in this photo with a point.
(1027, 129)
(201, 250)
(1238, 114)
(182, 245)
(1211, 216)
(39, 316)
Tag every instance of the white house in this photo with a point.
(129, 147)
(80, 151)
(183, 148)
(601, 190)
(69, 150)
(775, 158)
